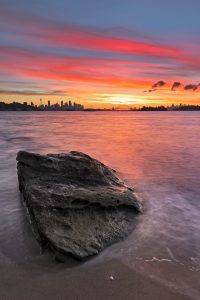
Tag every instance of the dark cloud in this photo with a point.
(31, 93)
(158, 84)
(175, 86)
(193, 87)
(155, 86)
(149, 91)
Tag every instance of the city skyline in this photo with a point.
(103, 54)
(63, 105)
(69, 106)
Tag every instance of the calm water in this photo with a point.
(158, 153)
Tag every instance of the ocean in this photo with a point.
(156, 153)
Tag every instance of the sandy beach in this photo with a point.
(85, 283)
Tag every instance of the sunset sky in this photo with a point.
(100, 53)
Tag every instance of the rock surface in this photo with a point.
(77, 205)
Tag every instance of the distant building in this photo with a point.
(29, 107)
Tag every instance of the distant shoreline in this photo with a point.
(101, 110)
(69, 106)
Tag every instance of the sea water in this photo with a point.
(157, 153)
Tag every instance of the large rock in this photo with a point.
(76, 204)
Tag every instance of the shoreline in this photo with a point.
(103, 110)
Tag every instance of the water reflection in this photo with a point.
(157, 153)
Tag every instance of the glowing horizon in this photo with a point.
(98, 65)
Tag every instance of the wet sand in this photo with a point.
(85, 283)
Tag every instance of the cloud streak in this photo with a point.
(31, 93)
(68, 35)
(19, 62)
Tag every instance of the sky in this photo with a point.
(120, 53)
